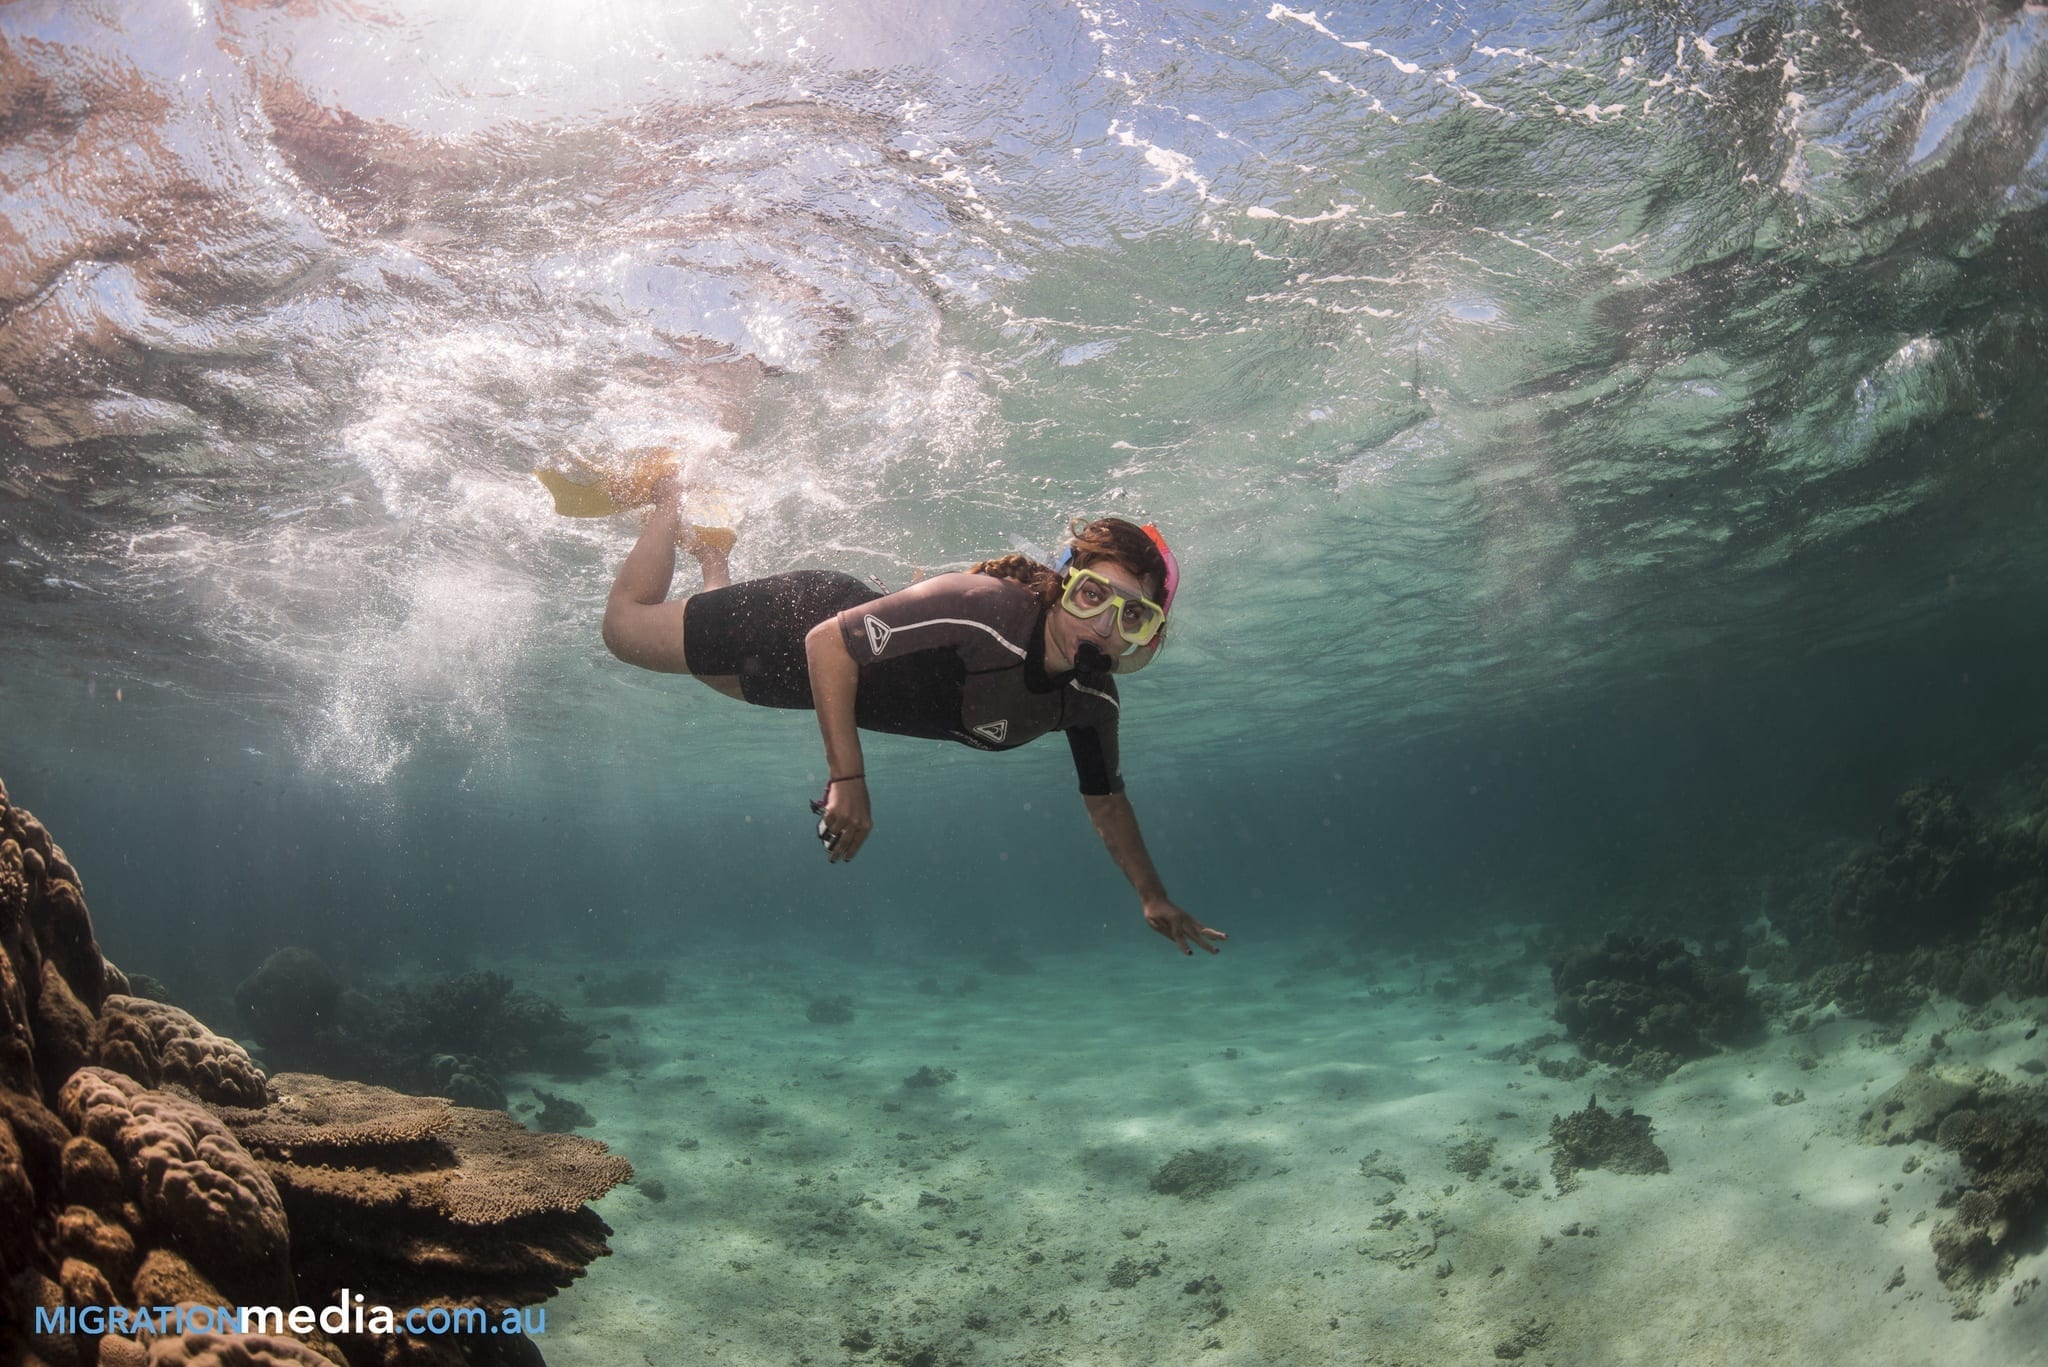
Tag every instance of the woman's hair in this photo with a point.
(1106, 538)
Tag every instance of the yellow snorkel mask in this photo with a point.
(1140, 624)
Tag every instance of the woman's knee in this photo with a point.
(648, 635)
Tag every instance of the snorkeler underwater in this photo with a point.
(626, 626)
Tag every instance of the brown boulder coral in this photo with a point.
(52, 976)
(157, 1043)
(233, 1350)
(197, 1187)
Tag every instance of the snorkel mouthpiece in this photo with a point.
(1091, 658)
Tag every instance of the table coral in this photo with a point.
(417, 1201)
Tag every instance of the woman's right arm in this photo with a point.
(835, 681)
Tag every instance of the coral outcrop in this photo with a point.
(1924, 880)
(1914, 1107)
(1649, 1007)
(454, 1036)
(1943, 902)
(157, 1043)
(291, 999)
(196, 1188)
(1598, 1138)
(414, 1201)
(2004, 1206)
(146, 1161)
(1998, 1129)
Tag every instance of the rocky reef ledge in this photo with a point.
(145, 1161)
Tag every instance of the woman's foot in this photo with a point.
(709, 547)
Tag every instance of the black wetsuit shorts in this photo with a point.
(756, 630)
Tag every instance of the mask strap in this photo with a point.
(1172, 584)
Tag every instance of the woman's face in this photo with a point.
(1066, 633)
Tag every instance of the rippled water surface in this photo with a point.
(1483, 362)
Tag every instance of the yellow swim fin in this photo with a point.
(599, 493)
(575, 499)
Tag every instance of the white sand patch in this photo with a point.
(819, 1210)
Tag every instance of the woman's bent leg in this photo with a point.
(640, 626)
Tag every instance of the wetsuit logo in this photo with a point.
(879, 632)
(993, 731)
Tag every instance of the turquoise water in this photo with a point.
(1602, 443)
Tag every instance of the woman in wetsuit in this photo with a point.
(991, 658)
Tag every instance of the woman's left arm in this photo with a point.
(1117, 824)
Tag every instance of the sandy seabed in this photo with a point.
(814, 1207)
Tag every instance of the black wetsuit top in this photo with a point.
(962, 657)
(958, 657)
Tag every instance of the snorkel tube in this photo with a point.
(1092, 658)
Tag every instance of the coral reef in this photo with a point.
(1597, 1138)
(2004, 1148)
(1649, 1007)
(465, 1080)
(414, 1201)
(290, 999)
(1942, 902)
(1924, 880)
(454, 1037)
(156, 1043)
(52, 975)
(195, 1186)
(1471, 1157)
(228, 1350)
(144, 1161)
(1873, 988)
(487, 1016)
(1914, 1107)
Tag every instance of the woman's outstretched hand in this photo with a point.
(1181, 928)
(843, 818)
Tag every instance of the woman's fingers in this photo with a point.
(1187, 932)
(843, 842)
